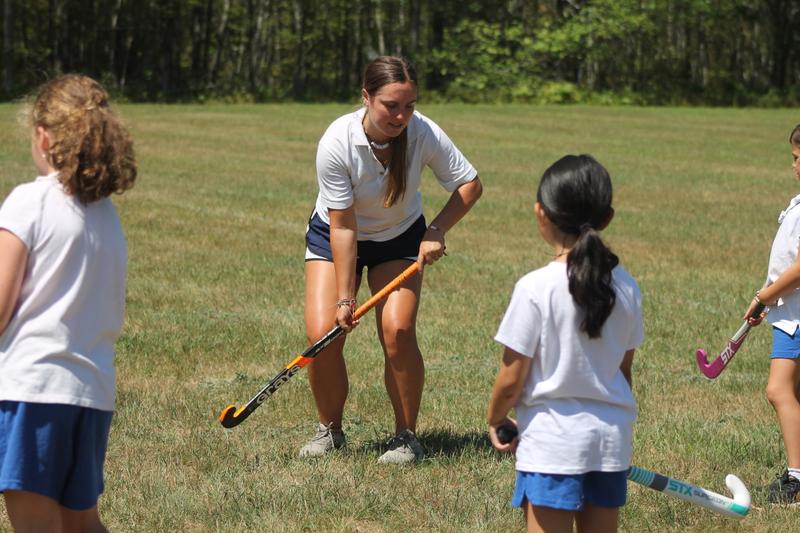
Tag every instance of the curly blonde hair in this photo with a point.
(89, 146)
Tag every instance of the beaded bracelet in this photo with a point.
(349, 302)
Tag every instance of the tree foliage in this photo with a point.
(720, 52)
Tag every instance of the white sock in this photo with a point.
(794, 472)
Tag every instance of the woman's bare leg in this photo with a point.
(327, 375)
(396, 318)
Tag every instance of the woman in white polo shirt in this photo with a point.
(368, 213)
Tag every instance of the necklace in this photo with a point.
(562, 254)
(375, 145)
(379, 146)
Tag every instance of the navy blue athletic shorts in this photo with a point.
(370, 253)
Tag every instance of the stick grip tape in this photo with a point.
(757, 311)
(648, 478)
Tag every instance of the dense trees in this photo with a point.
(650, 51)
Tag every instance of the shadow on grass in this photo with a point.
(441, 443)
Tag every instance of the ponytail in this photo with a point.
(396, 184)
(589, 266)
(575, 193)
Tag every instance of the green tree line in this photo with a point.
(714, 52)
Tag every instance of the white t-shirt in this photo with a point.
(786, 314)
(59, 345)
(576, 410)
(349, 174)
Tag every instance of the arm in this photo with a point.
(505, 393)
(13, 259)
(460, 202)
(344, 234)
(627, 366)
(786, 283)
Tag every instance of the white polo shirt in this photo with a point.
(59, 345)
(576, 410)
(349, 174)
(786, 314)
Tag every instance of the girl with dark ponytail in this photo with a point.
(575, 196)
(569, 333)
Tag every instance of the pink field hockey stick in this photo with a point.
(713, 369)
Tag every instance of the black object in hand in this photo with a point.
(506, 434)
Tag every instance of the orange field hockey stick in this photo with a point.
(231, 416)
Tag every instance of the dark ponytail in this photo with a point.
(575, 193)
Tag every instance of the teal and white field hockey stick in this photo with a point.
(738, 507)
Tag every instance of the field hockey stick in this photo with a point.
(738, 507)
(231, 416)
(715, 368)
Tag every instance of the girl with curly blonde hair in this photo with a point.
(63, 262)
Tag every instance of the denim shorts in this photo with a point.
(570, 492)
(370, 253)
(785, 346)
(54, 450)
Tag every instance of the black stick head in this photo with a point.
(231, 417)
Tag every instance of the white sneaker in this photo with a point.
(324, 441)
(403, 449)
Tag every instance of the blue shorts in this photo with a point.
(570, 492)
(54, 450)
(370, 253)
(785, 346)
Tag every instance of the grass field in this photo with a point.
(215, 291)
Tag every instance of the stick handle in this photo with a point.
(759, 308)
(745, 327)
(381, 294)
(307, 356)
